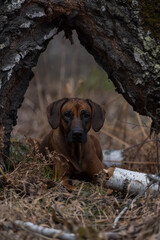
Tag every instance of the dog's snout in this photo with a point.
(77, 134)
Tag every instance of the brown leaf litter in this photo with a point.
(30, 193)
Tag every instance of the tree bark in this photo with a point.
(115, 32)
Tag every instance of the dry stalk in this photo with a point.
(125, 118)
(40, 97)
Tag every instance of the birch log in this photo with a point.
(130, 181)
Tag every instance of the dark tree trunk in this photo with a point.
(112, 31)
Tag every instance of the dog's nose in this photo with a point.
(77, 135)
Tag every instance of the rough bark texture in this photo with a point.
(112, 31)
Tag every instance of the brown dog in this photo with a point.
(71, 119)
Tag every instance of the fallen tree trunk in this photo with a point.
(117, 33)
(131, 182)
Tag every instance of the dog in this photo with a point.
(71, 119)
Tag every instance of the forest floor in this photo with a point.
(30, 193)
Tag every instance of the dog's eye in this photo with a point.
(67, 114)
(85, 114)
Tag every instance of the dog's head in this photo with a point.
(75, 117)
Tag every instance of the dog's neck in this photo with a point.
(76, 151)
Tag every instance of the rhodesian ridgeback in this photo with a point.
(71, 120)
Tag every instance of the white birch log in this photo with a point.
(130, 181)
(49, 232)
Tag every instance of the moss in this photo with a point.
(151, 45)
(157, 68)
(150, 13)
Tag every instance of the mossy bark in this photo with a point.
(112, 31)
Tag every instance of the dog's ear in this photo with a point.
(53, 112)
(98, 115)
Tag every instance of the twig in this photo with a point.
(139, 144)
(121, 214)
(154, 178)
(49, 232)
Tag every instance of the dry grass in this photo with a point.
(29, 193)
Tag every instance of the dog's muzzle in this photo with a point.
(77, 136)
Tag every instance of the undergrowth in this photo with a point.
(30, 193)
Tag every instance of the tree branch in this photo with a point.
(49, 232)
